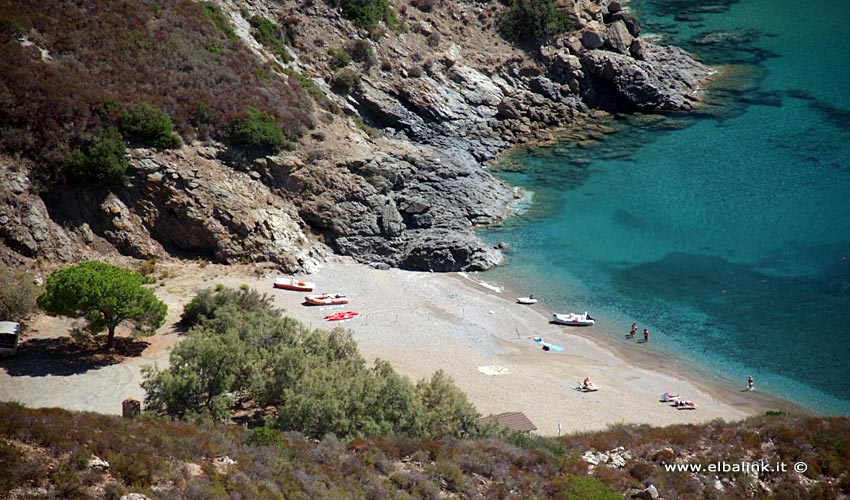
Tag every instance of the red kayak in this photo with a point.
(341, 315)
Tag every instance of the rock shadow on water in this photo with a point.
(794, 326)
(64, 356)
(835, 116)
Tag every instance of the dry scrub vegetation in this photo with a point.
(67, 69)
(47, 452)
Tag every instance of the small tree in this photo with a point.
(106, 296)
(345, 81)
(447, 410)
(255, 129)
(148, 126)
(17, 294)
(102, 162)
(528, 21)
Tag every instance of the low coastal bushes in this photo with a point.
(175, 54)
(100, 162)
(48, 450)
(530, 21)
(241, 351)
(345, 81)
(368, 13)
(255, 129)
(147, 126)
(271, 36)
(18, 294)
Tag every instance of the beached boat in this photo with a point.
(341, 315)
(293, 284)
(668, 398)
(526, 300)
(327, 299)
(573, 319)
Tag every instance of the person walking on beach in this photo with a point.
(750, 383)
(634, 330)
(645, 335)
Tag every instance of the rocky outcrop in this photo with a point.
(413, 209)
(26, 228)
(666, 78)
(612, 68)
(447, 96)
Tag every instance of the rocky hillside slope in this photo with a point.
(52, 453)
(388, 155)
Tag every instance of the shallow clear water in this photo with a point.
(725, 232)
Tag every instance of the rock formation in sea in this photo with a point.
(397, 178)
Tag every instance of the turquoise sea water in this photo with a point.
(725, 232)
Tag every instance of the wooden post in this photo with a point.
(130, 408)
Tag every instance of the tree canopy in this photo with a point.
(240, 349)
(106, 296)
(530, 21)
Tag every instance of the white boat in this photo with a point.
(573, 319)
(526, 300)
(294, 284)
(669, 398)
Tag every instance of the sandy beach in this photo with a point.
(422, 322)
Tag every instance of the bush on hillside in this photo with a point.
(345, 81)
(361, 51)
(339, 59)
(101, 162)
(114, 51)
(17, 294)
(270, 36)
(531, 21)
(368, 13)
(311, 88)
(218, 19)
(147, 126)
(254, 129)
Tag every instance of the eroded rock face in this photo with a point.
(26, 228)
(412, 211)
(666, 78)
(410, 199)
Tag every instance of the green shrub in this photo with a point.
(147, 126)
(255, 129)
(346, 80)
(311, 88)
(588, 488)
(535, 442)
(529, 21)
(14, 27)
(266, 436)
(208, 301)
(361, 51)
(18, 293)
(339, 59)
(101, 162)
(368, 13)
(218, 19)
(270, 35)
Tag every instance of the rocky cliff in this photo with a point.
(392, 172)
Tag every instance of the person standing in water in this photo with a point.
(634, 330)
(750, 383)
(645, 335)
